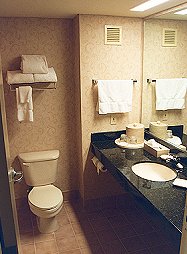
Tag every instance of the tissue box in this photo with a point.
(156, 151)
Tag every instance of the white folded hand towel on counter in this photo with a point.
(48, 77)
(115, 96)
(34, 64)
(24, 103)
(170, 93)
(99, 166)
(17, 77)
(180, 182)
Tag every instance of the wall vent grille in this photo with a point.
(113, 35)
(169, 37)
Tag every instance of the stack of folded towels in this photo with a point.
(34, 69)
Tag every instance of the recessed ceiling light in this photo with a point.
(148, 5)
(182, 12)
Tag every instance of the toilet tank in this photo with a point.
(39, 168)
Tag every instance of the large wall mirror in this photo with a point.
(161, 62)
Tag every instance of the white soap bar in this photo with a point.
(180, 182)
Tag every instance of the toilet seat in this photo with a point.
(46, 198)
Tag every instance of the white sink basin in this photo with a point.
(154, 171)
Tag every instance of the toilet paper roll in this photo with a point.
(158, 129)
(99, 166)
(136, 130)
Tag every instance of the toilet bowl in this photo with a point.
(45, 200)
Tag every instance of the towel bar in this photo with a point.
(35, 86)
(95, 81)
(149, 80)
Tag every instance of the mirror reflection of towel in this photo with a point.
(24, 103)
(115, 96)
(170, 93)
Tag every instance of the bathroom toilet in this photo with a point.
(45, 200)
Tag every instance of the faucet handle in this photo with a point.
(179, 166)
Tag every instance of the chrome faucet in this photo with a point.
(176, 160)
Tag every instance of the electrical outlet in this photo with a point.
(165, 116)
(112, 120)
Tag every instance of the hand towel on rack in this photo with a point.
(115, 96)
(24, 103)
(170, 93)
(49, 77)
(17, 77)
(34, 64)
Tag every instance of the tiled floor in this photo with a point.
(126, 230)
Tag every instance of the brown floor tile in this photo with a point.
(110, 212)
(25, 226)
(125, 232)
(144, 252)
(63, 219)
(67, 244)
(106, 236)
(38, 237)
(133, 244)
(164, 249)
(96, 232)
(64, 231)
(93, 205)
(28, 249)
(73, 207)
(27, 238)
(108, 202)
(83, 227)
(86, 240)
(77, 216)
(114, 247)
(143, 227)
(34, 221)
(152, 239)
(101, 224)
(135, 216)
(97, 249)
(77, 251)
(48, 247)
(118, 221)
(25, 222)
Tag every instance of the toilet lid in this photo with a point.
(45, 197)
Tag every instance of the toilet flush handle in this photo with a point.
(25, 164)
(16, 176)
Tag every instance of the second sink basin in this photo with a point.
(154, 171)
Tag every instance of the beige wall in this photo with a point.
(163, 62)
(54, 111)
(65, 118)
(99, 61)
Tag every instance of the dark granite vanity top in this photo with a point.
(166, 198)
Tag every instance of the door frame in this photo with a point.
(7, 226)
(8, 216)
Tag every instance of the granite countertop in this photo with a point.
(166, 198)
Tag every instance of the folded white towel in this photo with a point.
(24, 103)
(170, 93)
(115, 96)
(180, 182)
(34, 64)
(17, 77)
(49, 77)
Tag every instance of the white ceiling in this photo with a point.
(70, 8)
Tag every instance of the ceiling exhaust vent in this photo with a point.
(169, 37)
(113, 35)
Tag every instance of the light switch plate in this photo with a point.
(112, 120)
